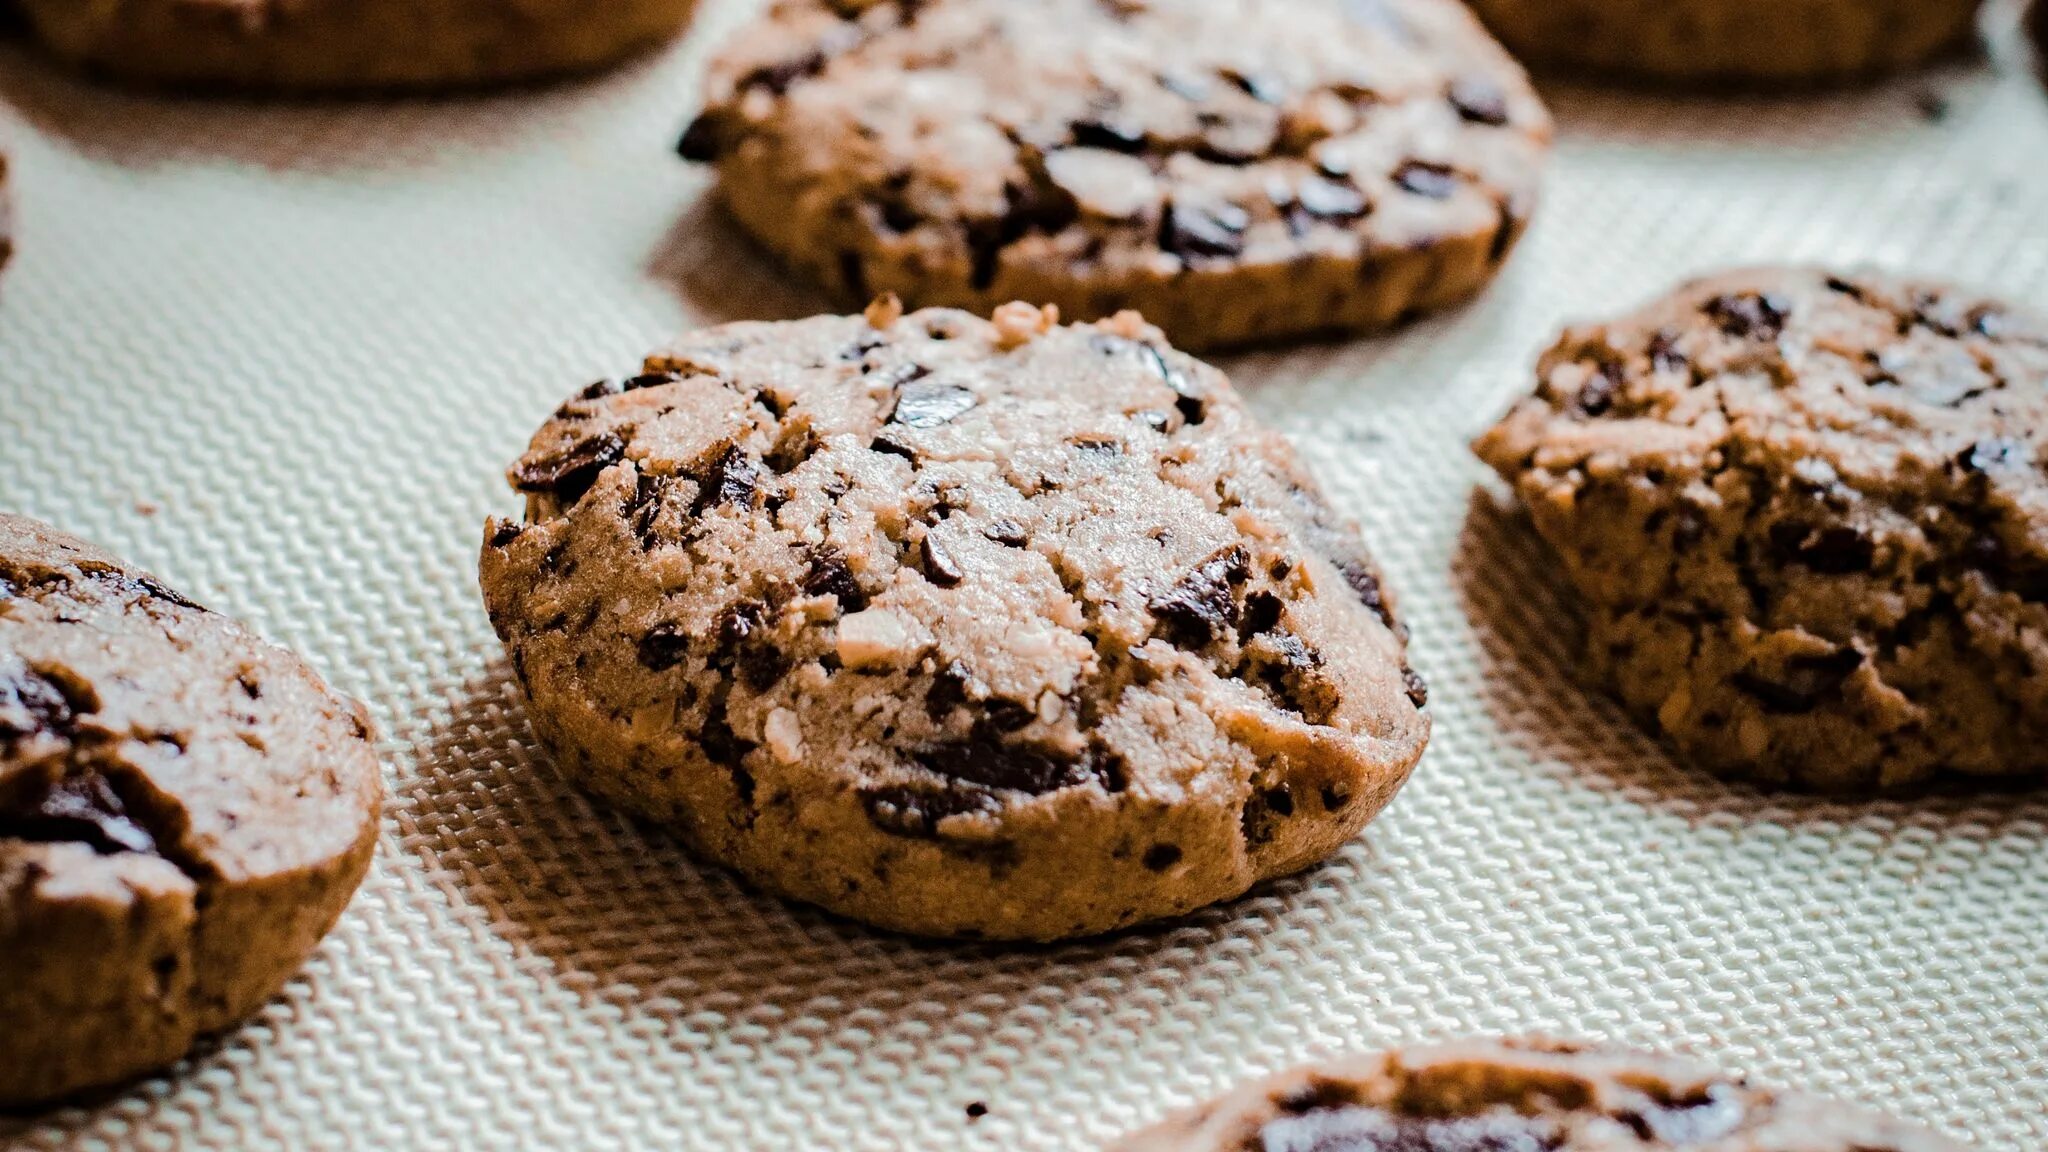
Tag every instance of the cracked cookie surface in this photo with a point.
(1808, 518)
(957, 626)
(1736, 42)
(1523, 1096)
(328, 45)
(1237, 173)
(184, 811)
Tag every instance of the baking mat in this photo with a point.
(281, 355)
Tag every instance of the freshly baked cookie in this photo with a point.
(959, 627)
(184, 810)
(1809, 520)
(1235, 170)
(1731, 42)
(327, 45)
(1524, 1096)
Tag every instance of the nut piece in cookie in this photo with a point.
(348, 45)
(1808, 517)
(1731, 42)
(184, 811)
(1524, 1094)
(1235, 171)
(961, 627)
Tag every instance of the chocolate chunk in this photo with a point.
(1266, 89)
(1598, 394)
(1750, 315)
(1832, 550)
(651, 380)
(1365, 584)
(729, 476)
(506, 532)
(1665, 355)
(853, 273)
(916, 812)
(1189, 230)
(1417, 688)
(1110, 133)
(888, 445)
(1037, 206)
(1987, 456)
(82, 808)
(778, 77)
(1160, 857)
(930, 405)
(1003, 764)
(1290, 672)
(976, 1110)
(829, 576)
(1324, 199)
(1806, 683)
(664, 646)
(1479, 100)
(743, 644)
(1097, 446)
(1008, 533)
(568, 472)
(704, 140)
(1262, 611)
(32, 704)
(1318, 1093)
(939, 566)
(721, 744)
(1200, 606)
(948, 690)
(1434, 181)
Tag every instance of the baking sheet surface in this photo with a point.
(281, 354)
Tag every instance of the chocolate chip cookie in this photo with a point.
(184, 811)
(1731, 42)
(1808, 517)
(327, 45)
(1234, 170)
(1524, 1096)
(962, 627)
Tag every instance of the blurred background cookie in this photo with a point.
(1808, 518)
(325, 45)
(1738, 42)
(963, 628)
(1524, 1096)
(1236, 171)
(184, 811)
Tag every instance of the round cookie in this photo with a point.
(1236, 171)
(184, 811)
(1731, 42)
(1524, 1096)
(1808, 519)
(963, 628)
(339, 45)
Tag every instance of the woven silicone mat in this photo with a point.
(281, 355)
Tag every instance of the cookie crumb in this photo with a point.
(884, 310)
(784, 733)
(977, 1110)
(872, 639)
(1128, 324)
(1019, 323)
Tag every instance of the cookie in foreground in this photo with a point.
(960, 627)
(1807, 517)
(348, 45)
(184, 812)
(1524, 1096)
(1730, 42)
(1236, 171)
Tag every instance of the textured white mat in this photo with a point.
(281, 354)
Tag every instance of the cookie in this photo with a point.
(1731, 42)
(1236, 172)
(1524, 1096)
(1808, 518)
(960, 627)
(339, 45)
(184, 811)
